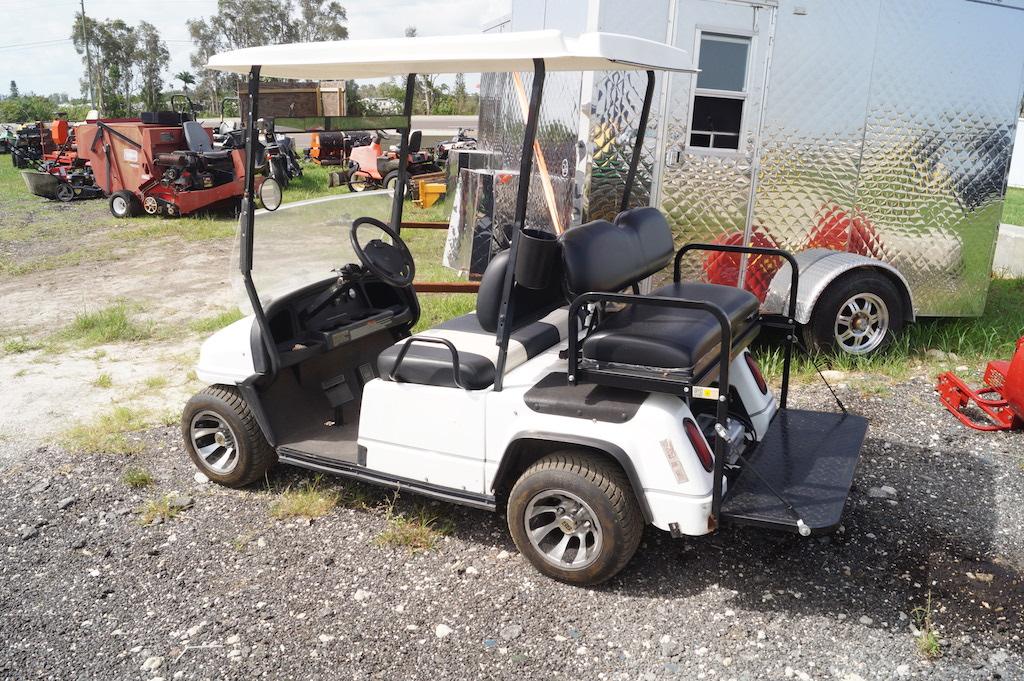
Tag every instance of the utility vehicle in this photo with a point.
(583, 412)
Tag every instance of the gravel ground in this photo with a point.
(226, 591)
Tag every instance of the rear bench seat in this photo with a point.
(540, 321)
(605, 257)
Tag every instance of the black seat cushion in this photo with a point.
(431, 364)
(605, 256)
(686, 341)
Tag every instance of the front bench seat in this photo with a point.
(540, 321)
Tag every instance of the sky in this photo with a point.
(54, 66)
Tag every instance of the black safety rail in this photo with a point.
(432, 340)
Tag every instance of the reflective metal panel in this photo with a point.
(941, 114)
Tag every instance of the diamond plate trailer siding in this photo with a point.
(879, 127)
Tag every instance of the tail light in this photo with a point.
(756, 371)
(700, 445)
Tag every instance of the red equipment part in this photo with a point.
(1001, 399)
(838, 231)
(724, 268)
(154, 163)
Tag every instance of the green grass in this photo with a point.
(108, 325)
(159, 509)
(419, 530)
(927, 638)
(137, 478)
(108, 434)
(216, 322)
(1013, 207)
(104, 380)
(16, 346)
(309, 500)
(155, 382)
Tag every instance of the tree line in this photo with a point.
(129, 64)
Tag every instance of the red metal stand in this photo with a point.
(1001, 399)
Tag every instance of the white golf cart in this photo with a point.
(582, 411)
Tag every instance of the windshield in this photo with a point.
(300, 243)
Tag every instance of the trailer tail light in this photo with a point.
(700, 445)
(756, 371)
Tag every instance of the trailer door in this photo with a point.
(712, 119)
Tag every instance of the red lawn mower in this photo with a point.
(164, 164)
(371, 168)
(1000, 401)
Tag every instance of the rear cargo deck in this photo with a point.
(809, 458)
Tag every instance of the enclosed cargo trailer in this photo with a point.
(871, 136)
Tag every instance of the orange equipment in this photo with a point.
(1000, 401)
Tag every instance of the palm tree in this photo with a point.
(186, 79)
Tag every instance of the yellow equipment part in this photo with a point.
(429, 193)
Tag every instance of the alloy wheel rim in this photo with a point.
(214, 442)
(120, 205)
(563, 529)
(862, 323)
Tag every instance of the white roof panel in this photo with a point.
(472, 53)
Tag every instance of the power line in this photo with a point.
(35, 44)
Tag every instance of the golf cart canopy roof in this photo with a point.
(475, 53)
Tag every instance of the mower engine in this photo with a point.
(1000, 400)
(185, 171)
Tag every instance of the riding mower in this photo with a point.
(369, 167)
(581, 412)
(161, 164)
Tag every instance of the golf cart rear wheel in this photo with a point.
(123, 204)
(860, 313)
(223, 438)
(574, 516)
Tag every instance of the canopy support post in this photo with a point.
(504, 330)
(403, 155)
(641, 131)
(248, 219)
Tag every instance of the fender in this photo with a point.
(509, 456)
(819, 267)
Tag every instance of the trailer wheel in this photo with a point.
(223, 438)
(575, 518)
(123, 204)
(859, 314)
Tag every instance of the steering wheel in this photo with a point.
(392, 263)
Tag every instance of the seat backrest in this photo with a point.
(528, 305)
(415, 141)
(196, 137)
(605, 256)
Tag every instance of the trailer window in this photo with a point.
(717, 113)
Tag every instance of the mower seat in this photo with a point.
(540, 321)
(199, 142)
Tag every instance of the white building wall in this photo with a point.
(1016, 178)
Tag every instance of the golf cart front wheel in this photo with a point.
(223, 438)
(860, 313)
(574, 516)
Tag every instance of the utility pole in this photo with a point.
(88, 56)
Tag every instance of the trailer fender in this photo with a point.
(530, 446)
(819, 267)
